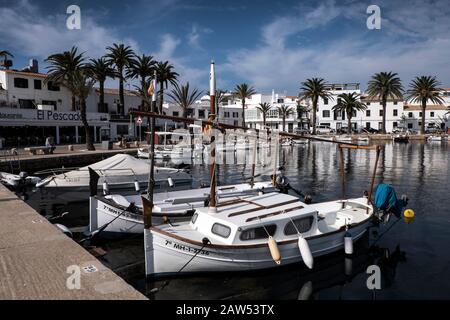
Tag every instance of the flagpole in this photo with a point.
(212, 116)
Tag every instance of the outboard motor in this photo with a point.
(386, 200)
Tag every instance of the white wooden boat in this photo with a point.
(119, 173)
(364, 139)
(254, 233)
(435, 138)
(123, 214)
(344, 138)
(401, 137)
(287, 143)
(299, 141)
(15, 180)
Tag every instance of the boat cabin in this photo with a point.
(250, 220)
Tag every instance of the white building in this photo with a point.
(31, 110)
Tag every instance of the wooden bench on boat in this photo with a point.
(37, 150)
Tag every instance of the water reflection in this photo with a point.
(420, 170)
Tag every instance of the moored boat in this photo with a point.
(123, 214)
(254, 233)
(120, 173)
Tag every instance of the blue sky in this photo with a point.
(268, 44)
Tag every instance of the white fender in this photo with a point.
(273, 247)
(348, 243)
(305, 252)
(136, 186)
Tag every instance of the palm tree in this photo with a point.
(62, 67)
(141, 67)
(183, 97)
(284, 112)
(164, 74)
(314, 89)
(301, 110)
(385, 85)
(243, 91)
(423, 89)
(264, 109)
(100, 70)
(349, 103)
(82, 87)
(120, 56)
(5, 54)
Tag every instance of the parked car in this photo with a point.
(345, 130)
(301, 131)
(323, 129)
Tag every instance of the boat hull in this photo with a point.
(166, 255)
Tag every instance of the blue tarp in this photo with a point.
(386, 200)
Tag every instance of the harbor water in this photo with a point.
(413, 258)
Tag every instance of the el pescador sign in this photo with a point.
(57, 116)
(15, 115)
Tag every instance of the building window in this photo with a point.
(410, 125)
(235, 114)
(258, 233)
(395, 103)
(53, 87)
(367, 125)
(122, 129)
(395, 112)
(326, 113)
(26, 104)
(381, 113)
(325, 101)
(201, 114)
(420, 114)
(410, 114)
(368, 103)
(280, 101)
(431, 114)
(21, 83)
(394, 124)
(367, 113)
(175, 113)
(37, 84)
(226, 114)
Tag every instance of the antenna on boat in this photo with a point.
(212, 117)
(255, 146)
(275, 164)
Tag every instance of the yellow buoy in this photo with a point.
(409, 213)
(273, 247)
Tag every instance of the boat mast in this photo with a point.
(212, 116)
(151, 157)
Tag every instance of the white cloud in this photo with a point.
(167, 51)
(353, 56)
(25, 30)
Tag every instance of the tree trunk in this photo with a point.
(349, 122)
(73, 102)
(314, 116)
(264, 120)
(422, 125)
(142, 106)
(161, 100)
(243, 113)
(121, 107)
(185, 116)
(89, 142)
(102, 97)
(384, 114)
